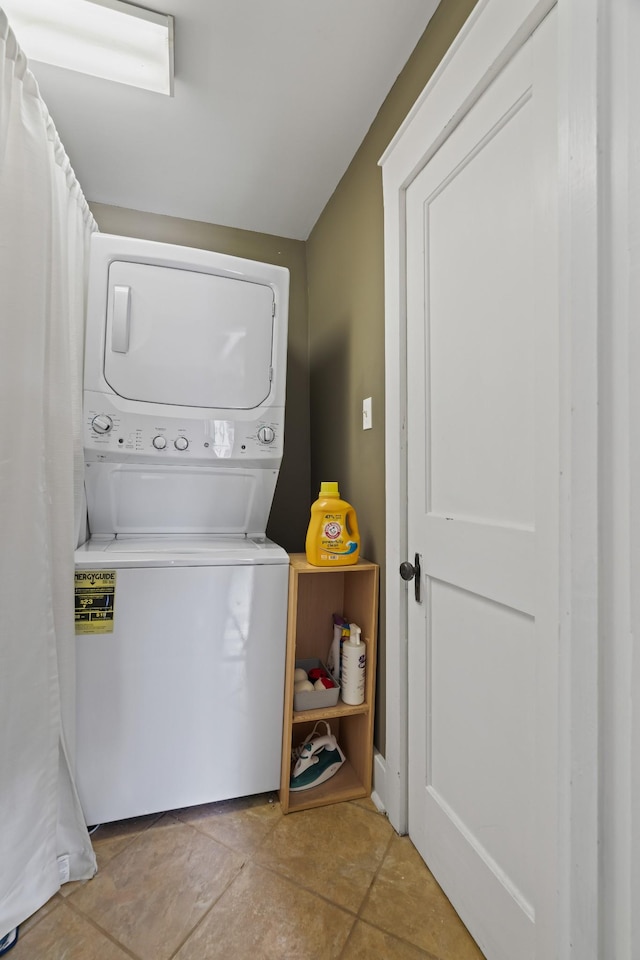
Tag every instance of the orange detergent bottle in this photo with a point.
(333, 539)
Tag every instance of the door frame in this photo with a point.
(491, 35)
(620, 492)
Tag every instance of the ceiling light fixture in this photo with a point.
(103, 38)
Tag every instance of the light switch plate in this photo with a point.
(366, 414)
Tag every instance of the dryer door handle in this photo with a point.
(120, 319)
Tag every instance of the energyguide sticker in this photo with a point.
(95, 598)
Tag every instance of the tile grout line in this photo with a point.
(242, 853)
(128, 950)
(301, 886)
(367, 809)
(426, 953)
(423, 954)
(121, 946)
(132, 839)
(348, 939)
(375, 875)
(34, 923)
(298, 884)
(66, 898)
(168, 815)
(366, 896)
(208, 910)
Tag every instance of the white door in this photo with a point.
(482, 342)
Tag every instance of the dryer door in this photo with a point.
(192, 339)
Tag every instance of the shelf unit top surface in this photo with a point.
(301, 564)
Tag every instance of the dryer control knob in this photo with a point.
(159, 442)
(102, 423)
(181, 443)
(266, 434)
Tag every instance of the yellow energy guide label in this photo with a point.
(95, 597)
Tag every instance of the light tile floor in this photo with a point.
(240, 881)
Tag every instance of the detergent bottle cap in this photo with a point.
(354, 633)
(329, 488)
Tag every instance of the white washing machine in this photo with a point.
(180, 599)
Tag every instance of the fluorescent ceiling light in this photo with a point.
(104, 38)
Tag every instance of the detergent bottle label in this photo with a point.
(334, 538)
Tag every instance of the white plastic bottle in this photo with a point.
(354, 655)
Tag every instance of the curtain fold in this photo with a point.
(45, 226)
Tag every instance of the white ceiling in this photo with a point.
(272, 100)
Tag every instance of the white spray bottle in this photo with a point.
(354, 654)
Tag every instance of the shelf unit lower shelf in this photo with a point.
(315, 594)
(344, 785)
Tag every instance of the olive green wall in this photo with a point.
(345, 269)
(290, 513)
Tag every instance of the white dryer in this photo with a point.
(180, 599)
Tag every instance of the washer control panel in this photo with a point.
(109, 432)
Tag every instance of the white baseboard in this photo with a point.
(378, 794)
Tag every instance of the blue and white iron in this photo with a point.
(318, 759)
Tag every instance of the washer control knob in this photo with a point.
(159, 442)
(102, 423)
(266, 434)
(181, 443)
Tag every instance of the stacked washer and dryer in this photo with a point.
(180, 692)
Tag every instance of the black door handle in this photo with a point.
(407, 570)
(411, 571)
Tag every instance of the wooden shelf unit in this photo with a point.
(315, 594)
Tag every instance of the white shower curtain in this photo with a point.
(45, 225)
